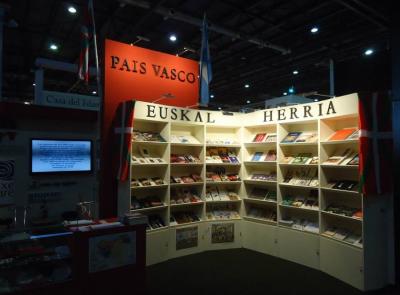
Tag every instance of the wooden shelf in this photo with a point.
(342, 216)
(187, 223)
(298, 165)
(259, 162)
(340, 191)
(186, 204)
(258, 201)
(298, 230)
(222, 219)
(223, 164)
(259, 144)
(148, 187)
(341, 241)
(149, 165)
(339, 141)
(151, 142)
(150, 208)
(298, 144)
(300, 186)
(186, 144)
(156, 229)
(186, 164)
(223, 182)
(236, 145)
(224, 201)
(260, 220)
(186, 184)
(339, 166)
(300, 208)
(253, 181)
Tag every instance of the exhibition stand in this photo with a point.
(284, 182)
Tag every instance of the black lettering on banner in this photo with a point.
(151, 111)
(173, 74)
(268, 115)
(174, 115)
(307, 110)
(142, 68)
(209, 118)
(331, 107)
(161, 113)
(156, 69)
(125, 65)
(114, 61)
(179, 76)
(293, 114)
(191, 78)
(164, 73)
(183, 115)
(198, 117)
(320, 109)
(281, 114)
(134, 63)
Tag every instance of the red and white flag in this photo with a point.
(376, 144)
(87, 32)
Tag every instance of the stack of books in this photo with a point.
(146, 202)
(184, 196)
(263, 194)
(347, 185)
(346, 156)
(222, 141)
(344, 235)
(263, 176)
(184, 159)
(301, 158)
(146, 136)
(147, 182)
(301, 137)
(262, 213)
(183, 217)
(146, 157)
(155, 222)
(265, 137)
(302, 176)
(345, 211)
(301, 201)
(192, 178)
(264, 156)
(221, 155)
(218, 176)
(300, 224)
(214, 193)
(189, 139)
(345, 134)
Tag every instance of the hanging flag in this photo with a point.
(123, 127)
(87, 32)
(205, 66)
(376, 144)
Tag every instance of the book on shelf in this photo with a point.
(287, 160)
(147, 136)
(354, 135)
(271, 137)
(258, 193)
(342, 134)
(184, 139)
(258, 156)
(259, 137)
(354, 160)
(302, 158)
(270, 156)
(339, 156)
(348, 185)
(307, 136)
(291, 137)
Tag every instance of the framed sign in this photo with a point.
(187, 237)
(222, 233)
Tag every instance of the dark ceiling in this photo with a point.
(347, 28)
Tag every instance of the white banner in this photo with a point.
(69, 100)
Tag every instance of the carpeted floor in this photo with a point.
(241, 271)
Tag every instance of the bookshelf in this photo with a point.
(284, 198)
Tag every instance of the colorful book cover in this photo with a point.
(271, 155)
(259, 137)
(271, 137)
(291, 137)
(342, 134)
(257, 156)
(307, 137)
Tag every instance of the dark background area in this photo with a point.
(346, 29)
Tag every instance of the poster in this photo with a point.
(112, 251)
(222, 233)
(7, 172)
(187, 237)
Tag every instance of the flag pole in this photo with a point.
(99, 88)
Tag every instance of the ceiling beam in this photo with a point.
(173, 14)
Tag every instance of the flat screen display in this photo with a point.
(60, 156)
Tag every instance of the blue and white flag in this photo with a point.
(205, 66)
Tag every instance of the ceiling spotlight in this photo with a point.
(172, 38)
(369, 51)
(314, 30)
(295, 72)
(316, 99)
(94, 92)
(246, 85)
(219, 108)
(27, 102)
(72, 10)
(33, 84)
(285, 93)
(53, 47)
(212, 96)
(248, 101)
(291, 90)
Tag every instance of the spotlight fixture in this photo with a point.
(33, 84)
(285, 93)
(291, 90)
(314, 30)
(71, 9)
(53, 46)
(94, 92)
(295, 72)
(368, 51)
(27, 102)
(248, 101)
(246, 85)
(219, 108)
(212, 96)
(316, 99)
(172, 38)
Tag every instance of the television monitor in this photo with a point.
(58, 156)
